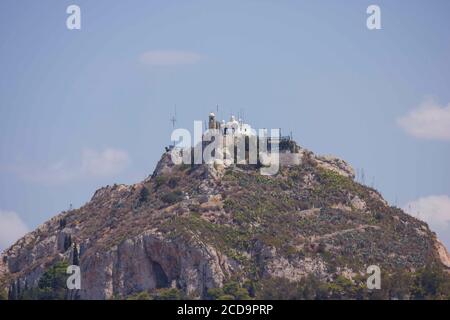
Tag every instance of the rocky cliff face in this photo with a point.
(198, 228)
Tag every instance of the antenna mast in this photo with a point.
(173, 119)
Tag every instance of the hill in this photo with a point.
(209, 232)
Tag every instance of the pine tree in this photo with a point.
(76, 258)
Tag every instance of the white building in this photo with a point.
(231, 128)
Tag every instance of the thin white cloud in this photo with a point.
(428, 121)
(169, 57)
(11, 228)
(57, 173)
(93, 164)
(435, 210)
(108, 162)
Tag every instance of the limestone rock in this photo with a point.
(199, 227)
(335, 164)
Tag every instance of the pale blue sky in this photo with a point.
(310, 67)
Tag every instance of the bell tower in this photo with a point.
(212, 121)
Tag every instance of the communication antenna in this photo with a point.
(217, 113)
(70, 207)
(173, 119)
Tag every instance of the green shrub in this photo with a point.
(172, 197)
(173, 182)
(226, 297)
(215, 293)
(144, 295)
(160, 180)
(51, 285)
(3, 294)
(431, 283)
(143, 195)
(230, 291)
(168, 294)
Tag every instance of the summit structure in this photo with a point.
(232, 127)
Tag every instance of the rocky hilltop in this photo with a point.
(211, 232)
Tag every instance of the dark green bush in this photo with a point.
(172, 197)
(160, 180)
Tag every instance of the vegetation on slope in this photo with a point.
(304, 214)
